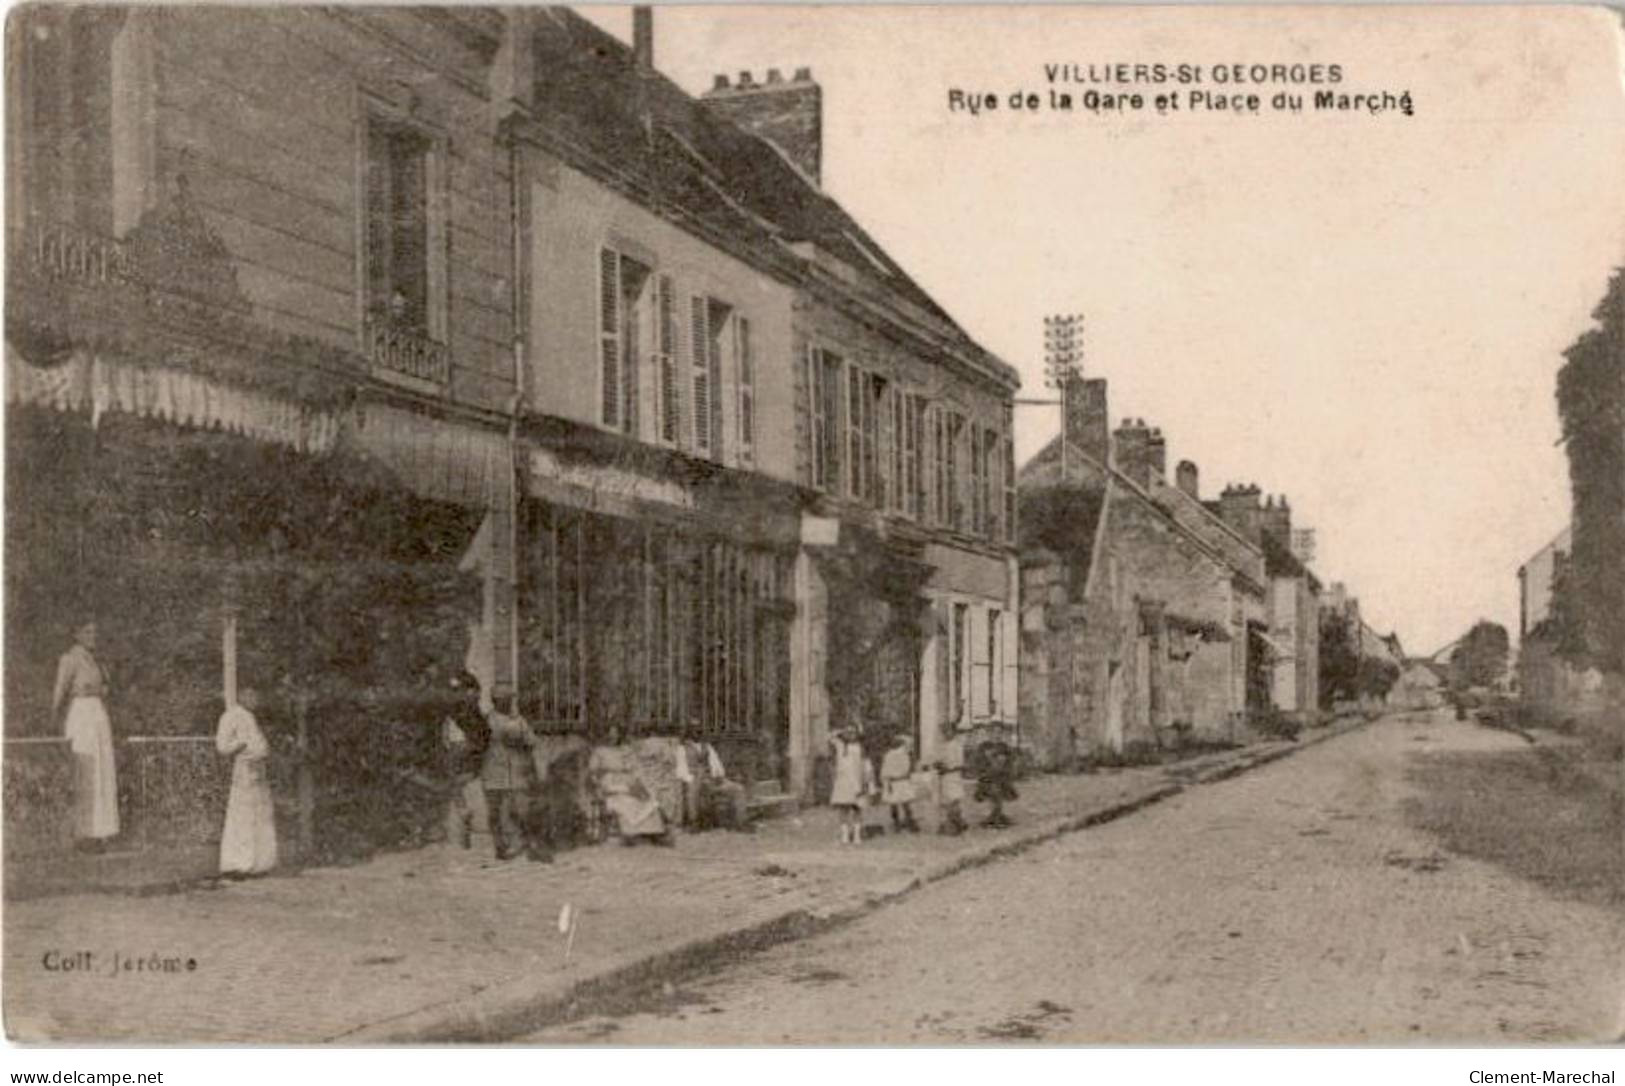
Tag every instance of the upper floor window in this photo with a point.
(670, 402)
(937, 425)
(953, 463)
(1009, 477)
(709, 322)
(745, 371)
(404, 257)
(825, 371)
(914, 413)
(992, 482)
(60, 121)
(624, 285)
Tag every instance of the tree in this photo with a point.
(1590, 599)
(1375, 676)
(1480, 658)
(1339, 659)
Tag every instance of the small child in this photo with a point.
(951, 779)
(896, 780)
(853, 783)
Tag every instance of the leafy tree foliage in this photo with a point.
(1481, 657)
(1339, 659)
(1589, 601)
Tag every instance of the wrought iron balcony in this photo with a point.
(62, 251)
(397, 348)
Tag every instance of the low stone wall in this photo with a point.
(172, 792)
(38, 797)
(172, 789)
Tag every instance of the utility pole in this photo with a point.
(1063, 360)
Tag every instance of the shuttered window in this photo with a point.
(977, 482)
(609, 336)
(913, 457)
(854, 431)
(745, 368)
(939, 466)
(825, 370)
(992, 483)
(666, 362)
(700, 366)
(1009, 477)
(875, 426)
(623, 305)
(710, 322)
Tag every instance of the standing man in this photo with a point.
(508, 775)
(465, 735)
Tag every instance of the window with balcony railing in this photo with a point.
(405, 302)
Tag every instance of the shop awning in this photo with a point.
(437, 458)
(1275, 648)
(1206, 629)
(87, 381)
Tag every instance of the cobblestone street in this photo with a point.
(408, 943)
(1295, 904)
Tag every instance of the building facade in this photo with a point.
(1293, 604)
(1549, 687)
(767, 481)
(1140, 606)
(259, 368)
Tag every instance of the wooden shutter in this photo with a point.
(713, 346)
(747, 385)
(819, 422)
(1009, 476)
(609, 325)
(855, 431)
(700, 359)
(666, 359)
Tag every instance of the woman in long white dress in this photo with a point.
(81, 684)
(248, 842)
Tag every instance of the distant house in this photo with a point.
(1293, 608)
(1421, 685)
(1549, 687)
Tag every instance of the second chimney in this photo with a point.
(643, 36)
(1187, 479)
(788, 113)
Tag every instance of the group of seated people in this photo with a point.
(539, 791)
(618, 773)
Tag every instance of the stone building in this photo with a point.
(1549, 687)
(1141, 609)
(768, 484)
(1293, 606)
(258, 369)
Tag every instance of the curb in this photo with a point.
(521, 1006)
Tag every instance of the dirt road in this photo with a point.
(1302, 902)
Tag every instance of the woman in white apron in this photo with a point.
(248, 842)
(81, 684)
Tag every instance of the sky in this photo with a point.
(1364, 312)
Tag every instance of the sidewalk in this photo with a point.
(442, 944)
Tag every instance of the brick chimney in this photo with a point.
(1276, 522)
(1156, 450)
(1187, 479)
(643, 36)
(1239, 507)
(1131, 448)
(1088, 426)
(787, 113)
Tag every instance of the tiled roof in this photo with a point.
(642, 127)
